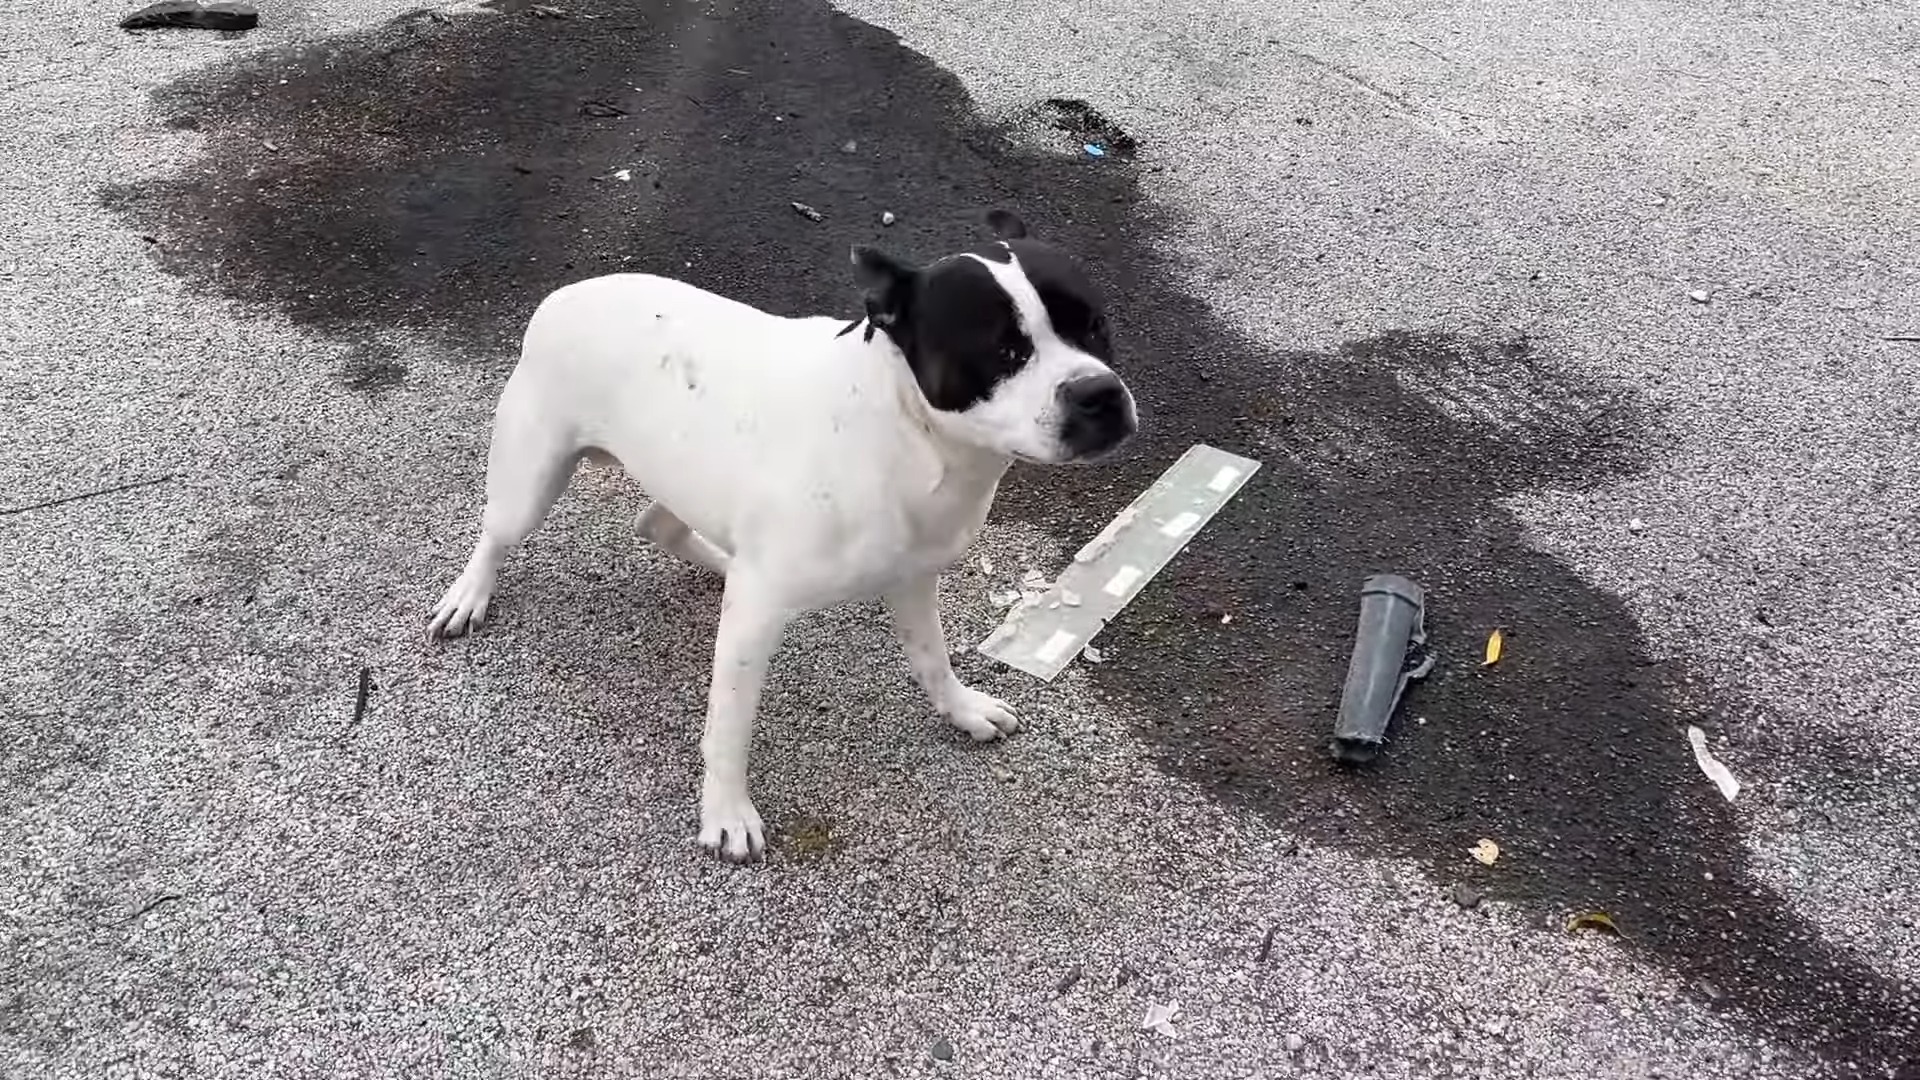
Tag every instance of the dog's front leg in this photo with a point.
(916, 615)
(752, 622)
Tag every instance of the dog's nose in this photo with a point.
(1097, 414)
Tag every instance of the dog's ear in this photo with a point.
(885, 280)
(1006, 225)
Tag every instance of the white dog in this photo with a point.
(808, 465)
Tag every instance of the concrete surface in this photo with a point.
(1432, 265)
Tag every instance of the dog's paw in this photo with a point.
(730, 827)
(982, 716)
(463, 608)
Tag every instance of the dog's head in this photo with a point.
(1008, 343)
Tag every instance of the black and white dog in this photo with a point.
(808, 464)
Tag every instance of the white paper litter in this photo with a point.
(1721, 776)
(1160, 1018)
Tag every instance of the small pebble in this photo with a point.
(1637, 526)
(1699, 296)
(941, 1050)
(1295, 1043)
(887, 218)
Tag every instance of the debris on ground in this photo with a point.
(887, 218)
(941, 1050)
(360, 696)
(1389, 651)
(1721, 776)
(1001, 598)
(1295, 1043)
(810, 837)
(1092, 655)
(1070, 980)
(193, 15)
(986, 565)
(1594, 920)
(1266, 944)
(1089, 125)
(1636, 525)
(1043, 637)
(1700, 296)
(807, 212)
(1160, 1018)
(1095, 150)
(62, 500)
(1466, 895)
(545, 11)
(1103, 539)
(1486, 852)
(1496, 645)
(602, 108)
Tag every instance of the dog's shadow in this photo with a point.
(444, 176)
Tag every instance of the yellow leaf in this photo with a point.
(1594, 920)
(1485, 852)
(1496, 641)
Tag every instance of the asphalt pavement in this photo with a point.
(1595, 323)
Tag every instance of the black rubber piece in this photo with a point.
(1389, 650)
(193, 15)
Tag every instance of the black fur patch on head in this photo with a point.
(966, 334)
(1074, 306)
(959, 329)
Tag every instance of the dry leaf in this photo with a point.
(1496, 643)
(1486, 852)
(1594, 920)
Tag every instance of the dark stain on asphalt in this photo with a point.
(444, 176)
(373, 367)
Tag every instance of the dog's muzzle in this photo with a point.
(1097, 415)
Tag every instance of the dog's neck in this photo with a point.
(965, 468)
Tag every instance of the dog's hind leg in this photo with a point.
(670, 534)
(529, 463)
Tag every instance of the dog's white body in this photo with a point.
(801, 462)
(764, 434)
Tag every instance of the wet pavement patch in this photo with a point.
(372, 368)
(443, 175)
